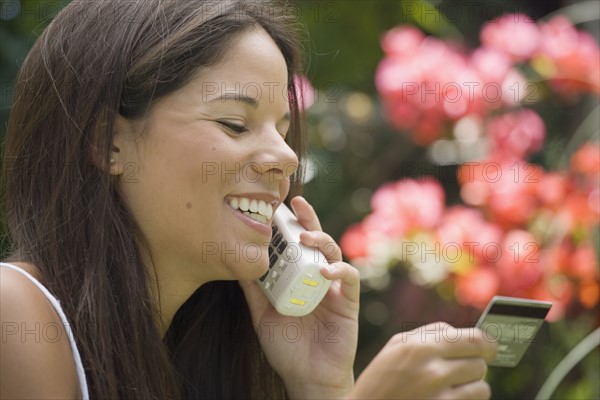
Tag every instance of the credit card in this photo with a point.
(513, 323)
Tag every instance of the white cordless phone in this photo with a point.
(293, 283)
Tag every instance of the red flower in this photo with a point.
(552, 190)
(578, 261)
(584, 263)
(477, 287)
(354, 242)
(589, 293)
(558, 291)
(586, 159)
(519, 265)
(506, 189)
(570, 58)
(579, 213)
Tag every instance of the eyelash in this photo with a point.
(238, 129)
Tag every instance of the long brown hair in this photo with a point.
(67, 216)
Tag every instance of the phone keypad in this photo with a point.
(279, 254)
(277, 262)
(277, 238)
(282, 246)
(272, 259)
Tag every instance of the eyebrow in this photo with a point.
(237, 97)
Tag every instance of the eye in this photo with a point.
(236, 128)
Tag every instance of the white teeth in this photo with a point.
(257, 217)
(253, 206)
(244, 204)
(269, 213)
(262, 207)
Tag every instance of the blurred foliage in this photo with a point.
(361, 152)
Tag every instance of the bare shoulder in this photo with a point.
(36, 360)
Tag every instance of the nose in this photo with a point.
(275, 158)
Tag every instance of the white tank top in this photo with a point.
(56, 304)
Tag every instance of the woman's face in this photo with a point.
(212, 148)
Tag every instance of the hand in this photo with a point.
(435, 361)
(314, 354)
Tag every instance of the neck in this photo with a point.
(169, 289)
(169, 296)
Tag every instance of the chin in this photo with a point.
(255, 271)
(249, 271)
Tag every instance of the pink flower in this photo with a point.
(390, 224)
(402, 41)
(500, 84)
(425, 82)
(516, 134)
(467, 228)
(407, 205)
(514, 34)
(397, 78)
(304, 91)
(491, 64)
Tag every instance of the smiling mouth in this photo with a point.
(255, 209)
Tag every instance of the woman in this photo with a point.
(135, 128)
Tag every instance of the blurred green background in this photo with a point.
(352, 155)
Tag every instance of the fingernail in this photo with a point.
(308, 237)
(331, 268)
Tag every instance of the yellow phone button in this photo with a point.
(310, 282)
(297, 301)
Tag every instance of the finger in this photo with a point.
(349, 276)
(306, 214)
(467, 342)
(336, 269)
(474, 390)
(324, 243)
(465, 370)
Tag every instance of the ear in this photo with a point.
(123, 146)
